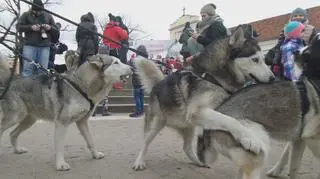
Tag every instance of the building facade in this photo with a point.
(176, 27)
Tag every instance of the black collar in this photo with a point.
(85, 95)
(200, 71)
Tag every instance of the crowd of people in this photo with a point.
(41, 44)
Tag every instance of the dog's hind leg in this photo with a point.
(314, 146)
(9, 121)
(60, 133)
(252, 174)
(296, 154)
(85, 132)
(23, 125)
(189, 145)
(152, 126)
(278, 167)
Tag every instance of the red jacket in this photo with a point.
(114, 32)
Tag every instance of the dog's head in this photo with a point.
(247, 59)
(111, 68)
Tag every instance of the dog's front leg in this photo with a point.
(60, 133)
(85, 132)
(278, 167)
(296, 154)
(211, 119)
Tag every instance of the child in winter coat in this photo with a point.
(293, 42)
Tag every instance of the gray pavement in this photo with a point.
(118, 137)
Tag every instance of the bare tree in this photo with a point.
(12, 10)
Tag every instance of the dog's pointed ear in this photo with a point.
(237, 39)
(95, 60)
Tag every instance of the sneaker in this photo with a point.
(136, 114)
(107, 113)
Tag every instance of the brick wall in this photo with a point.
(270, 28)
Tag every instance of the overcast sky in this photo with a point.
(155, 16)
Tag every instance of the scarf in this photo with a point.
(205, 23)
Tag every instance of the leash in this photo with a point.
(48, 72)
(78, 25)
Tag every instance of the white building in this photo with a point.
(176, 27)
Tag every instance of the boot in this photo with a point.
(105, 111)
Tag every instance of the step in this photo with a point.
(119, 108)
(124, 99)
(123, 92)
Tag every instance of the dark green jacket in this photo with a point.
(33, 38)
(215, 31)
(184, 37)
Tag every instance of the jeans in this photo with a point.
(37, 54)
(139, 97)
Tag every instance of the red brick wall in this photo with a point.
(270, 28)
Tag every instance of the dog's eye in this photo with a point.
(256, 60)
(116, 62)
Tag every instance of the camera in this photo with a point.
(43, 32)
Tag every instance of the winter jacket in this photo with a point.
(34, 38)
(287, 57)
(88, 41)
(115, 33)
(214, 32)
(136, 82)
(185, 35)
(125, 44)
(307, 35)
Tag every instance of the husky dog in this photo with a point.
(184, 101)
(61, 99)
(282, 110)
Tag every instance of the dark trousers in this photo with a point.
(114, 52)
(138, 94)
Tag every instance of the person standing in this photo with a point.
(39, 30)
(125, 43)
(211, 27)
(114, 35)
(138, 91)
(87, 37)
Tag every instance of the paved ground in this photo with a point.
(119, 140)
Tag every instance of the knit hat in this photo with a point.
(39, 3)
(209, 9)
(301, 12)
(293, 29)
(143, 49)
(111, 17)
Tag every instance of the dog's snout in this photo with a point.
(272, 78)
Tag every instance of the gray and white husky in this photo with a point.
(63, 101)
(184, 100)
(282, 110)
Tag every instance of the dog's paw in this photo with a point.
(20, 150)
(63, 166)
(141, 165)
(201, 165)
(251, 144)
(98, 155)
(274, 172)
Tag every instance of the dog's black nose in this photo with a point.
(272, 78)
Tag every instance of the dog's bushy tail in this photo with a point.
(4, 71)
(148, 73)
